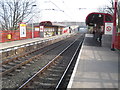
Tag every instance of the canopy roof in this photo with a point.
(98, 18)
(49, 23)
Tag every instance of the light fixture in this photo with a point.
(100, 15)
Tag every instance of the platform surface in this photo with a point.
(25, 41)
(96, 67)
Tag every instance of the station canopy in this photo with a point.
(98, 19)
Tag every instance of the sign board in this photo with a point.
(108, 28)
(41, 28)
(36, 28)
(22, 30)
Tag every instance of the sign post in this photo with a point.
(41, 31)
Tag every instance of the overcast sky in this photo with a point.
(70, 8)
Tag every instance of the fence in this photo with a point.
(13, 35)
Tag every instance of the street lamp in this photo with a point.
(32, 22)
(114, 25)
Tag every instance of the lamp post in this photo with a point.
(32, 23)
(114, 25)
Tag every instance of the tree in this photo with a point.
(12, 12)
(110, 10)
(107, 9)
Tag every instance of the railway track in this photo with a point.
(19, 75)
(57, 71)
(27, 58)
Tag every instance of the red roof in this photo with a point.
(49, 23)
(98, 18)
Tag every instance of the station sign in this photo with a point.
(22, 30)
(36, 28)
(108, 28)
(41, 28)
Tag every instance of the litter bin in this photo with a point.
(9, 36)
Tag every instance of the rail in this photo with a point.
(45, 67)
(62, 78)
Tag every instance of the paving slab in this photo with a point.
(96, 67)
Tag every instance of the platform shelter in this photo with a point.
(48, 28)
(98, 20)
(101, 25)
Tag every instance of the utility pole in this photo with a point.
(32, 23)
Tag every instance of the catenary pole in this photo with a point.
(114, 25)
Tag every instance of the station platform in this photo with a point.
(25, 41)
(96, 67)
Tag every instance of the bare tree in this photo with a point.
(107, 9)
(110, 10)
(102, 9)
(12, 12)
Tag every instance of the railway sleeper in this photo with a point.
(57, 68)
(28, 64)
(10, 74)
(25, 58)
(20, 59)
(48, 74)
(18, 70)
(47, 80)
(44, 85)
(23, 67)
(55, 71)
(32, 62)
(17, 61)
(2, 69)
(11, 63)
(36, 60)
(4, 78)
(54, 75)
(6, 66)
